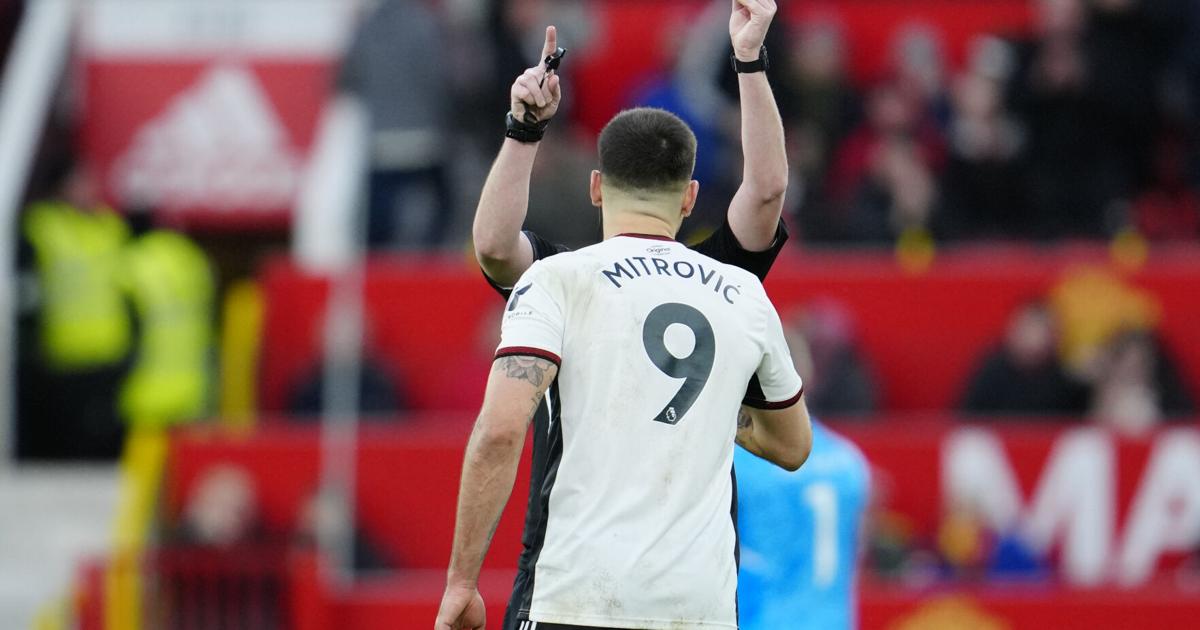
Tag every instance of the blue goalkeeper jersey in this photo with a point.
(799, 537)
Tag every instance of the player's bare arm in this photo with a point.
(782, 436)
(514, 390)
(501, 249)
(755, 209)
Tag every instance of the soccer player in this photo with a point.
(751, 238)
(799, 534)
(645, 348)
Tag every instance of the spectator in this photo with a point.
(918, 64)
(170, 285)
(220, 547)
(1137, 386)
(983, 187)
(1093, 306)
(898, 195)
(691, 91)
(837, 381)
(881, 179)
(1170, 209)
(826, 108)
(1128, 44)
(1050, 93)
(392, 67)
(1024, 375)
(889, 114)
(221, 510)
(77, 334)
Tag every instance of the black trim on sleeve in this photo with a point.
(723, 246)
(542, 248)
(526, 351)
(759, 403)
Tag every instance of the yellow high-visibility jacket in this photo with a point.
(84, 321)
(171, 284)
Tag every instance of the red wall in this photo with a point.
(923, 332)
(407, 484)
(407, 487)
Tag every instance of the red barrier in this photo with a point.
(407, 484)
(431, 318)
(1032, 607)
(1118, 497)
(1147, 490)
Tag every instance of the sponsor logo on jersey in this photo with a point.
(516, 296)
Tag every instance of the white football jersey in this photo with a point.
(655, 345)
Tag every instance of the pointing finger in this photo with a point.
(550, 46)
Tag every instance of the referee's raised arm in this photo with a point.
(502, 250)
(755, 209)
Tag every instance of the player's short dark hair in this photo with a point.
(647, 149)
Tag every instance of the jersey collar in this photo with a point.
(654, 237)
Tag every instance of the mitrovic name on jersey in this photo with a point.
(647, 266)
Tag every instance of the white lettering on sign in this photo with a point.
(1073, 504)
(976, 474)
(1165, 515)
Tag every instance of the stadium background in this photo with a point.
(993, 280)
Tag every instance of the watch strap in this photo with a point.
(522, 131)
(746, 67)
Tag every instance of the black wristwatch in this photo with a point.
(522, 131)
(758, 65)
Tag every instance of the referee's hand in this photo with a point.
(748, 26)
(462, 609)
(533, 95)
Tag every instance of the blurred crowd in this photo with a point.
(1088, 349)
(1080, 130)
(1083, 128)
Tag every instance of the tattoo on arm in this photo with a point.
(745, 431)
(529, 369)
(535, 401)
(744, 420)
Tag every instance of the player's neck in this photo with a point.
(617, 223)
